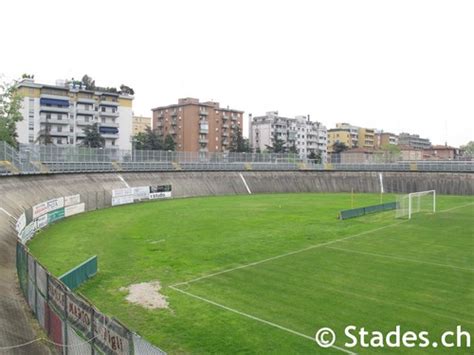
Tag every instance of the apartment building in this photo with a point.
(139, 124)
(413, 141)
(59, 113)
(197, 126)
(385, 138)
(351, 136)
(306, 135)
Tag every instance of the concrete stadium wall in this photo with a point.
(20, 192)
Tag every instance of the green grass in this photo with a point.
(418, 274)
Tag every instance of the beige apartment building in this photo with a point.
(140, 123)
(383, 139)
(197, 126)
(351, 136)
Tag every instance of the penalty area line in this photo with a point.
(255, 318)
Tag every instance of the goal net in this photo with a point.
(415, 202)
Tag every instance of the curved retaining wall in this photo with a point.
(21, 192)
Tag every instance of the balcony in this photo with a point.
(55, 96)
(110, 135)
(225, 125)
(109, 124)
(86, 100)
(225, 142)
(56, 133)
(83, 111)
(109, 113)
(174, 122)
(60, 109)
(55, 121)
(225, 134)
(108, 103)
(203, 140)
(203, 128)
(85, 123)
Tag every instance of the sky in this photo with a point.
(400, 66)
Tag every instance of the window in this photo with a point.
(86, 119)
(48, 116)
(59, 129)
(31, 138)
(87, 107)
(113, 142)
(114, 109)
(60, 117)
(103, 109)
(60, 141)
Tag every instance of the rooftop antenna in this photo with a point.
(446, 132)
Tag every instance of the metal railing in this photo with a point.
(34, 159)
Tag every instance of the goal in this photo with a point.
(415, 202)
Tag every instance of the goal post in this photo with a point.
(415, 202)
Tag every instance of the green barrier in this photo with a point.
(81, 273)
(55, 215)
(361, 211)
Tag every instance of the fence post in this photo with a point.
(65, 342)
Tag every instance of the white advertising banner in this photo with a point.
(55, 203)
(156, 195)
(47, 206)
(39, 209)
(74, 209)
(21, 223)
(122, 200)
(72, 200)
(141, 192)
(122, 192)
(42, 221)
(28, 232)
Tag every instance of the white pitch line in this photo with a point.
(255, 318)
(399, 258)
(245, 183)
(287, 254)
(7, 213)
(123, 180)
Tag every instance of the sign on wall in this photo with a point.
(122, 200)
(55, 215)
(74, 209)
(20, 223)
(72, 200)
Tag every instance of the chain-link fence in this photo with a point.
(34, 159)
(72, 323)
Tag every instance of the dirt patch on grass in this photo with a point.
(146, 294)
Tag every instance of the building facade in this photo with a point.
(351, 136)
(339, 135)
(58, 114)
(139, 124)
(198, 126)
(384, 138)
(413, 141)
(305, 135)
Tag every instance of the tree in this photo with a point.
(339, 147)
(278, 145)
(93, 139)
(169, 144)
(238, 143)
(468, 149)
(293, 149)
(148, 140)
(88, 82)
(124, 89)
(10, 104)
(391, 152)
(316, 156)
(44, 136)
(27, 76)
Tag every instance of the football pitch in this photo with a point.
(263, 273)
